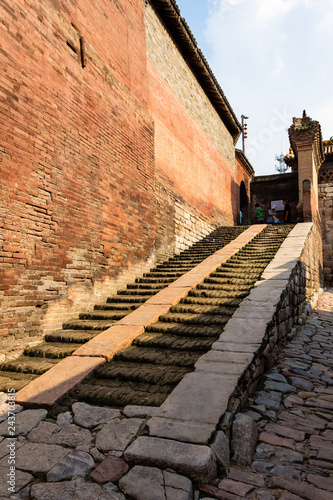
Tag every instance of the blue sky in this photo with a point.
(272, 58)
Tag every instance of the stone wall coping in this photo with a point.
(203, 395)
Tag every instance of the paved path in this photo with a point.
(294, 414)
(293, 458)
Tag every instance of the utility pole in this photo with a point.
(244, 133)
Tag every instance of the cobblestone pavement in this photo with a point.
(294, 414)
(80, 453)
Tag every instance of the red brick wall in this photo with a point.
(96, 161)
(187, 162)
(77, 160)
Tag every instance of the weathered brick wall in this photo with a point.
(190, 139)
(77, 159)
(106, 166)
(326, 213)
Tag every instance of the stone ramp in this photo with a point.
(45, 391)
(124, 433)
(38, 359)
(149, 370)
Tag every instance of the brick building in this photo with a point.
(117, 148)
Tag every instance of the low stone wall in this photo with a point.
(326, 212)
(190, 432)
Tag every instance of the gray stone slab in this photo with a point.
(255, 311)
(270, 385)
(242, 330)
(139, 411)
(282, 262)
(21, 479)
(37, 457)
(43, 432)
(143, 483)
(65, 419)
(233, 369)
(186, 431)
(24, 422)
(194, 461)
(244, 438)
(4, 409)
(74, 464)
(233, 347)
(199, 397)
(266, 284)
(72, 436)
(117, 434)
(225, 359)
(9, 444)
(221, 449)
(89, 416)
(276, 274)
(72, 490)
(150, 483)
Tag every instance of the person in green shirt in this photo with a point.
(259, 214)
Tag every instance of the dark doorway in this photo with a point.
(244, 204)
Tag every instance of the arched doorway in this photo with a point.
(244, 204)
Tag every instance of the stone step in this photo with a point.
(231, 281)
(155, 280)
(227, 302)
(182, 329)
(223, 294)
(88, 325)
(242, 265)
(196, 319)
(26, 364)
(104, 315)
(117, 306)
(145, 372)
(224, 288)
(137, 292)
(12, 380)
(66, 336)
(147, 286)
(158, 356)
(51, 350)
(244, 273)
(128, 299)
(165, 274)
(120, 394)
(162, 341)
(203, 309)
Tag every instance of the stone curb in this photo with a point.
(50, 387)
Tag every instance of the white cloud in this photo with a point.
(278, 62)
(270, 10)
(272, 54)
(325, 25)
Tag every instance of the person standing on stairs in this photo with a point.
(286, 212)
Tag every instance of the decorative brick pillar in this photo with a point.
(306, 141)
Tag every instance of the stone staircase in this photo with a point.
(147, 372)
(38, 359)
